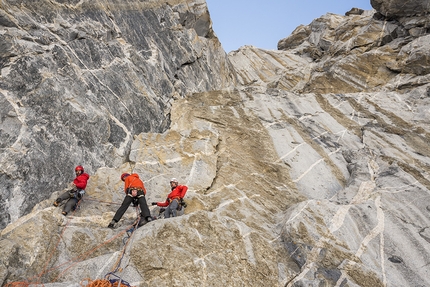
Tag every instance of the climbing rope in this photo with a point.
(101, 201)
(116, 267)
(18, 284)
(36, 280)
(107, 282)
(44, 271)
(83, 256)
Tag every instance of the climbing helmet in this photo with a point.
(124, 175)
(79, 167)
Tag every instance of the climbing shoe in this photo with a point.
(142, 221)
(56, 203)
(64, 213)
(112, 224)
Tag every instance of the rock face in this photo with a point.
(306, 166)
(80, 79)
(401, 8)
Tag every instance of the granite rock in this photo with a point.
(79, 79)
(306, 166)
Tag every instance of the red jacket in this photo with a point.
(133, 180)
(81, 180)
(177, 193)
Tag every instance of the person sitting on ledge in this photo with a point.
(75, 194)
(175, 199)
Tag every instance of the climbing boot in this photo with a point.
(64, 213)
(112, 224)
(56, 203)
(142, 221)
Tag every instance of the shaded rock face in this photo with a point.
(401, 8)
(306, 166)
(80, 79)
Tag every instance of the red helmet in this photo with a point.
(124, 175)
(79, 167)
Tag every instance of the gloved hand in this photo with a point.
(153, 203)
(183, 203)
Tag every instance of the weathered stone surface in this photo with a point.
(80, 78)
(354, 11)
(414, 58)
(312, 169)
(352, 53)
(236, 191)
(354, 218)
(401, 8)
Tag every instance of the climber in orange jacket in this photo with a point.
(76, 192)
(174, 199)
(135, 191)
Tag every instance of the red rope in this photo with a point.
(77, 259)
(102, 283)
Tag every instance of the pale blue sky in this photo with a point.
(262, 23)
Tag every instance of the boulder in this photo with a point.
(401, 8)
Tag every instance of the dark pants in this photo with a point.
(172, 209)
(144, 210)
(71, 202)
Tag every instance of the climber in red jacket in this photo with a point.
(76, 192)
(174, 200)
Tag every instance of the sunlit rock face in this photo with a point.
(346, 101)
(306, 166)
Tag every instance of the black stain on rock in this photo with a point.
(395, 259)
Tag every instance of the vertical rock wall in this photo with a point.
(312, 169)
(346, 102)
(80, 78)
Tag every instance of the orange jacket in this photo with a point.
(133, 180)
(177, 193)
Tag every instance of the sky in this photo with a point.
(262, 23)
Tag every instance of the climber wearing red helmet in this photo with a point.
(76, 191)
(135, 192)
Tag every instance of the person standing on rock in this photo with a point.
(76, 192)
(134, 192)
(175, 199)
